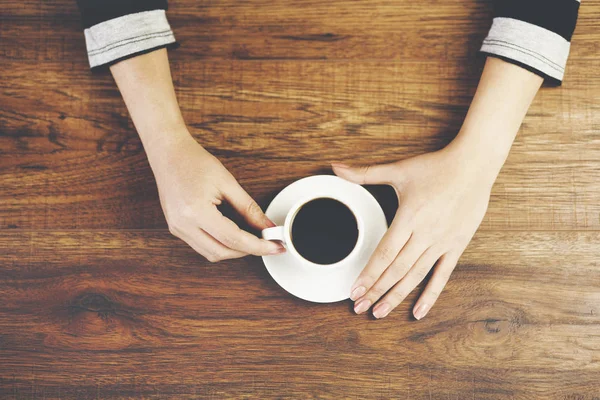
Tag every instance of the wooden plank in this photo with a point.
(286, 29)
(137, 313)
(73, 160)
(260, 106)
(78, 190)
(99, 301)
(270, 106)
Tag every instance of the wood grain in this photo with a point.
(288, 29)
(129, 299)
(274, 112)
(98, 300)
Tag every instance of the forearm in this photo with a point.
(191, 182)
(146, 86)
(501, 101)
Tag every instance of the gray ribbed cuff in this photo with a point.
(120, 37)
(528, 44)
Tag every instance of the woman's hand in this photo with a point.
(191, 184)
(442, 201)
(442, 196)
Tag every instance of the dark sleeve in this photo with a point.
(535, 34)
(120, 29)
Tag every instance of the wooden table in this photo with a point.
(98, 300)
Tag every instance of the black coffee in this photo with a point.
(324, 231)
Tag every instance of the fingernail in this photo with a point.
(270, 224)
(357, 293)
(382, 310)
(421, 311)
(280, 249)
(362, 306)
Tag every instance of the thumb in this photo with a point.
(245, 205)
(365, 175)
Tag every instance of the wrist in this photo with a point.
(503, 96)
(480, 159)
(164, 144)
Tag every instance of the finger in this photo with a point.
(436, 284)
(209, 247)
(388, 248)
(245, 205)
(228, 233)
(403, 288)
(405, 260)
(393, 274)
(366, 175)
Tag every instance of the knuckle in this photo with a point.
(186, 212)
(253, 208)
(397, 295)
(376, 292)
(367, 280)
(210, 258)
(173, 230)
(408, 212)
(399, 269)
(179, 217)
(422, 238)
(232, 241)
(170, 217)
(385, 255)
(219, 258)
(214, 257)
(422, 272)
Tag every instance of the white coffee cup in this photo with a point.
(283, 233)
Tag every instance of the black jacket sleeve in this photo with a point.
(535, 34)
(119, 29)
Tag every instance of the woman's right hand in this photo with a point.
(191, 184)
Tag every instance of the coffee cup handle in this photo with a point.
(274, 233)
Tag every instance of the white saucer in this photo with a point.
(324, 284)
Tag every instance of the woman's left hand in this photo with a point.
(442, 199)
